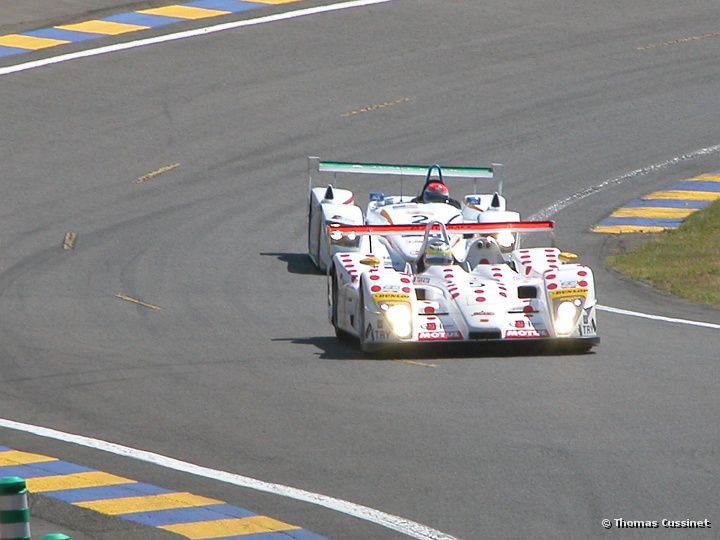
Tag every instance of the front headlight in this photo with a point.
(567, 313)
(399, 317)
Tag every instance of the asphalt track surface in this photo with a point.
(588, 106)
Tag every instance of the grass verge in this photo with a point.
(684, 261)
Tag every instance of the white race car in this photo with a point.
(532, 292)
(332, 206)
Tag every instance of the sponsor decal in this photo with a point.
(368, 332)
(379, 297)
(586, 330)
(530, 333)
(381, 335)
(429, 326)
(439, 336)
(568, 292)
(518, 324)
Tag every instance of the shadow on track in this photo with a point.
(333, 349)
(297, 263)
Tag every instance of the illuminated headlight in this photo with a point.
(567, 314)
(505, 239)
(399, 317)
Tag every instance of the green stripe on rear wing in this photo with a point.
(316, 166)
(404, 170)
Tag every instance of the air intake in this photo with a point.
(527, 291)
(485, 335)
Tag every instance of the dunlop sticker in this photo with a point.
(568, 292)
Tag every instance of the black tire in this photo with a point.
(361, 319)
(366, 348)
(341, 334)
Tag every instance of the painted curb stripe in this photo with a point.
(681, 194)
(147, 20)
(653, 211)
(664, 209)
(697, 185)
(63, 35)
(7, 51)
(123, 23)
(107, 492)
(666, 203)
(176, 516)
(192, 516)
(30, 43)
(106, 28)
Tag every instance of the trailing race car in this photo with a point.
(532, 292)
(332, 206)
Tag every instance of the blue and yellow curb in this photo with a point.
(182, 513)
(665, 209)
(123, 23)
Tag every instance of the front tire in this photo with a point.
(364, 347)
(341, 334)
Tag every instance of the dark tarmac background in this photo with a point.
(49, 516)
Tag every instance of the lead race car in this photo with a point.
(332, 206)
(531, 292)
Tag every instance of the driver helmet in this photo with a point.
(436, 192)
(438, 253)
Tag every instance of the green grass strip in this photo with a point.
(684, 261)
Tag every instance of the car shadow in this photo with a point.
(332, 348)
(297, 263)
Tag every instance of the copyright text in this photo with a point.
(655, 524)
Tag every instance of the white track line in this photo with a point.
(572, 199)
(395, 523)
(559, 205)
(186, 34)
(658, 317)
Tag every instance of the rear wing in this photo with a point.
(316, 166)
(339, 233)
(455, 228)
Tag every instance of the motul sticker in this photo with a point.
(526, 333)
(439, 336)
